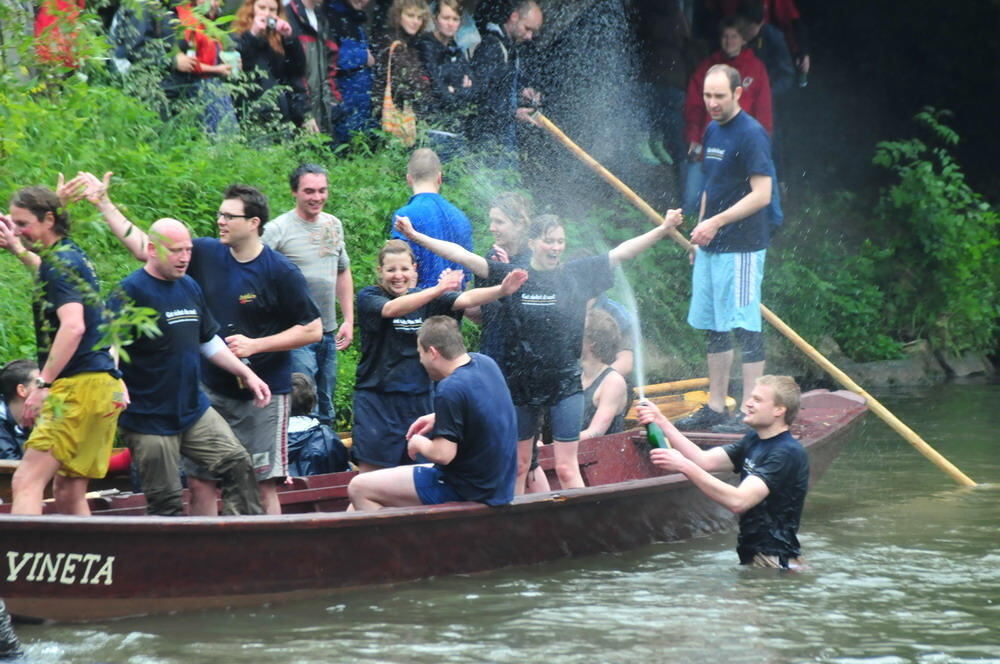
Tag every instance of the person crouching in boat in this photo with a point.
(391, 388)
(773, 469)
(605, 393)
(546, 330)
(471, 435)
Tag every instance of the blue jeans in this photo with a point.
(319, 362)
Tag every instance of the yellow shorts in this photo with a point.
(77, 423)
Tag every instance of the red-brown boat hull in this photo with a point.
(133, 565)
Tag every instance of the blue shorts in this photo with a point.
(381, 420)
(431, 488)
(725, 291)
(566, 418)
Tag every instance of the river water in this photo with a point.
(904, 566)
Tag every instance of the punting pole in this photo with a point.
(876, 407)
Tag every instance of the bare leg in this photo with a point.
(204, 497)
(719, 366)
(30, 479)
(751, 372)
(389, 487)
(71, 495)
(523, 464)
(367, 467)
(269, 496)
(567, 465)
(538, 481)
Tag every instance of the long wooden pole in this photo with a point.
(874, 404)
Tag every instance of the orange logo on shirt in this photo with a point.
(247, 298)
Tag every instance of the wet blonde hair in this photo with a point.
(786, 393)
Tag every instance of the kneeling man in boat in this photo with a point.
(471, 437)
(773, 469)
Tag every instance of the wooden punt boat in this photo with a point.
(120, 563)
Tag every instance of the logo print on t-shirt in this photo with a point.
(175, 316)
(538, 299)
(247, 298)
(408, 325)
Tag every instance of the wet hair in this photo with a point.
(254, 202)
(304, 169)
(14, 373)
(786, 393)
(243, 21)
(395, 247)
(515, 205)
(303, 397)
(542, 224)
(735, 80)
(603, 334)
(454, 5)
(424, 165)
(441, 332)
(400, 6)
(39, 201)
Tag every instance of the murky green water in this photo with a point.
(904, 567)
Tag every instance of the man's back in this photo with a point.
(435, 216)
(473, 409)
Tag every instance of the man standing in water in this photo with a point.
(471, 436)
(733, 233)
(773, 469)
(261, 301)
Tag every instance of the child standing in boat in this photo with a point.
(546, 331)
(392, 389)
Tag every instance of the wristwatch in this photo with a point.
(41, 384)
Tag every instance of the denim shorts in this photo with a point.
(566, 417)
(431, 488)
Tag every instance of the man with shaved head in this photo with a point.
(170, 415)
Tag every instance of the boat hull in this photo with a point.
(73, 569)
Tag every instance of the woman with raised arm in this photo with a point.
(392, 388)
(546, 329)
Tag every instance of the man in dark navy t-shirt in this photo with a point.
(772, 465)
(738, 208)
(471, 436)
(262, 303)
(169, 414)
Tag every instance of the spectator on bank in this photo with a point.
(769, 45)
(57, 39)
(313, 447)
(503, 94)
(310, 27)
(199, 69)
(433, 214)
(273, 59)
(407, 21)
(782, 14)
(756, 101)
(605, 392)
(17, 379)
(355, 67)
(450, 72)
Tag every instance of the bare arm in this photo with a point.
(477, 297)
(294, 337)
(439, 450)
(67, 339)
(610, 401)
(736, 499)
(450, 280)
(711, 460)
(455, 253)
(86, 185)
(758, 198)
(345, 296)
(634, 246)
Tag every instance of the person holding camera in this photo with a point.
(272, 58)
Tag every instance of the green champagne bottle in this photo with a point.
(655, 436)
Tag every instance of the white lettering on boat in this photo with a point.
(65, 568)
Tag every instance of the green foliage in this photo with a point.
(943, 266)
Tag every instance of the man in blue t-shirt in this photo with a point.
(169, 414)
(772, 465)
(431, 214)
(77, 393)
(261, 301)
(471, 436)
(738, 209)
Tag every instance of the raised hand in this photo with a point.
(451, 280)
(405, 226)
(513, 281)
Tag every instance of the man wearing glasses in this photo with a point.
(261, 301)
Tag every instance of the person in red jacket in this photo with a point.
(756, 101)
